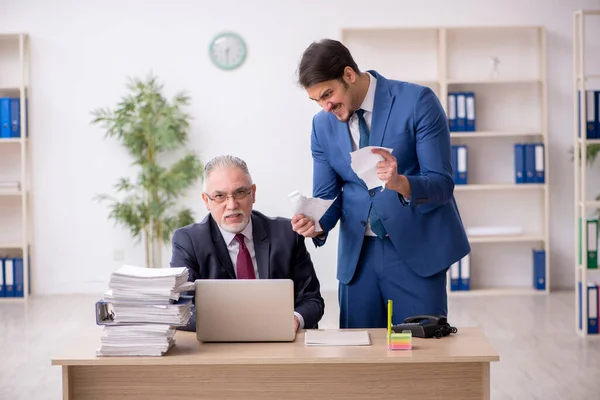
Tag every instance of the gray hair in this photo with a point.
(223, 161)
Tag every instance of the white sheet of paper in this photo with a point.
(364, 163)
(312, 207)
(336, 338)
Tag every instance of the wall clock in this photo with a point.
(227, 50)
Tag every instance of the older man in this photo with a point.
(236, 242)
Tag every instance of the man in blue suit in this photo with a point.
(397, 241)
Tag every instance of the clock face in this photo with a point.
(227, 50)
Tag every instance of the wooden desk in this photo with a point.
(456, 367)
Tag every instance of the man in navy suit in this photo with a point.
(396, 241)
(235, 242)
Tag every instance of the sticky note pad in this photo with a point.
(400, 341)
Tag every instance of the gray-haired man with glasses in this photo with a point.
(236, 242)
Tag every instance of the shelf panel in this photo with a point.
(488, 134)
(12, 299)
(589, 141)
(11, 193)
(492, 81)
(506, 238)
(10, 246)
(11, 140)
(500, 186)
(589, 204)
(508, 291)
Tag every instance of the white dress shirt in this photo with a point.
(233, 246)
(367, 105)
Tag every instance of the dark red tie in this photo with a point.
(244, 267)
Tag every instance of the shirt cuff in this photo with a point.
(405, 201)
(300, 319)
(318, 227)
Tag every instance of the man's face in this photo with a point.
(229, 197)
(337, 96)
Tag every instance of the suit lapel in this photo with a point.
(381, 110)
(221, 248)
(261, 247)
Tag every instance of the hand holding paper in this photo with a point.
(364, 163)
(310, 207)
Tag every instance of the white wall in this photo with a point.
(81, 54)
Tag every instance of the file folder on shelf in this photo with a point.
(465, 273)
(519, 163)
(539, 269)
(461, 112)
(470, 119)
(455, 276)
(591, 247)
(452, 112)
(590, 315)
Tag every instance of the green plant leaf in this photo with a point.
(149, 125)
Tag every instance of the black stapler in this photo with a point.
(426, 326)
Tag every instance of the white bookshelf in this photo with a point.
(15, 226)
(511, 107)
(586, 76)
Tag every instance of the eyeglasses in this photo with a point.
(238, 195)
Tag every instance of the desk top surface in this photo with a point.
(468, 345)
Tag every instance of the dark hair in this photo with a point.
(323, 61)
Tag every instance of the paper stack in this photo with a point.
(141, 310)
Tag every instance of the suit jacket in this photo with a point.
(427, 230)
(280, 254)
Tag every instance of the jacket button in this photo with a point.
(372, 192)
(363, 223)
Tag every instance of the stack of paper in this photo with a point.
(336, 338)
(141, 309)
(137, 340)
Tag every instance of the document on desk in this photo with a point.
(364, 164)
(336, 338)
(312, 207)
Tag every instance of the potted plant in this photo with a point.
(149, 126)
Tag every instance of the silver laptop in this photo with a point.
(245, 310)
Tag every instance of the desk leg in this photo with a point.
(66, 382)
(486, 380)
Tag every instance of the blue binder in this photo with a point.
(539, 164)
(452, 112)
(9, 277)
(4, 117)
(15, 117)
(597, 112)
(539, 269)
(461, 165)
(455, 276)
(454, 161)
(519, 163)
(470, 119)
(461, 112)
(18, 274)
(529, 162)
(465, 273)
(2, 280)
(592, 311)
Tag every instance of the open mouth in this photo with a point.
(233, 216)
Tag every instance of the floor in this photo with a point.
(541, 357)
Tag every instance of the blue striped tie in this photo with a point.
(376, 224)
